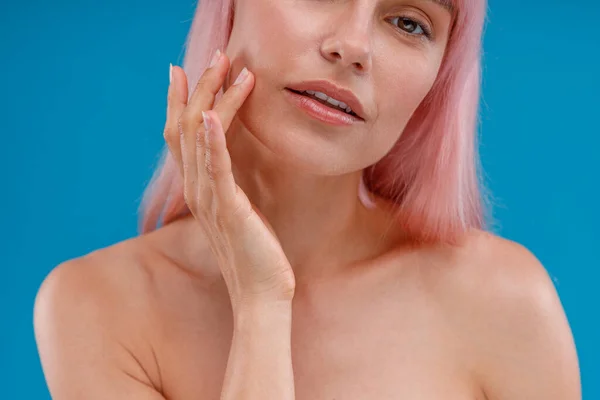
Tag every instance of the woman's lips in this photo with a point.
(320, 111)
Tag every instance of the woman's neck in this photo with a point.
(319, 220)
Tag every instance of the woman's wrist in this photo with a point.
(257, 312)
(260, 359)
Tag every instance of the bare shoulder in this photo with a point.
(101, 320)
(504, 268)
(98, 310)
(487, 269)
(116, 276)
(108, 272)
(507, 276)
(506, 305)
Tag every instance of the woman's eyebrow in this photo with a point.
(447, 4)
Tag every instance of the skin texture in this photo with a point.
(295, 169)
(373, 316)
(482, 321)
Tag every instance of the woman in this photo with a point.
(308, 248)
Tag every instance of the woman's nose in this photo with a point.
(350, 45)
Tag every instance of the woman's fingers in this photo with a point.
(186, 135)
(196, 188)
(176, 103)
(217, 166)
(235, 96)
(216, 171)
(203, 98)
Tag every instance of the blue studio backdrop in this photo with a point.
(83, 105)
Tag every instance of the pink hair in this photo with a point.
(431, 173)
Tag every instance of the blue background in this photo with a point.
(82, 108)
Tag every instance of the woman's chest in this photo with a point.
(341, 350)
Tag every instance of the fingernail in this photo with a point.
(170, 72)
(207, 121)
(241, 77)
(215, 58)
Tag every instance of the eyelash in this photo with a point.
(425, 28)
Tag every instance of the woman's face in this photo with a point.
(386, 52)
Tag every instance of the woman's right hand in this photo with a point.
(250, 256)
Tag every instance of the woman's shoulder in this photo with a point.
(113, 307)
(494, 288)
(504, 304)
(488, 269)
(496, 264)
(132, 274)
(107, 272)
(113, 289)
(98, 309)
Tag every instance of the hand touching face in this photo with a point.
(253, 264)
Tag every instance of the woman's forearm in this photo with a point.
(260, 359)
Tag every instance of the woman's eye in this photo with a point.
(412, 27)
